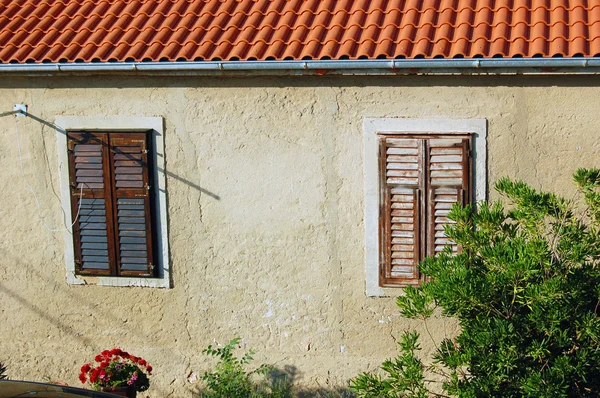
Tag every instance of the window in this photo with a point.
(111, 203)
(415, 170)
(421, 178)
(116, 165)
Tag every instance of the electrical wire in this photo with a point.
(37, 201)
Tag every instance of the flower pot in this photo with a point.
(128, 391)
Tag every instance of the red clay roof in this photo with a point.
(202, 30)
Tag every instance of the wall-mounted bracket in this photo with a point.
(20, 109)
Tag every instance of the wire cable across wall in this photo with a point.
(68, 228)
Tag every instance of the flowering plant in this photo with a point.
(117, 368)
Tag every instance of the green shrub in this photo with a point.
(230, 379)
(3, 372)
(525, 290)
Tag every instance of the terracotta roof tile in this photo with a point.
(185, 30)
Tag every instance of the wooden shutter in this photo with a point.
(132, 211)
(402, 177)
(91, 203)
(412, 224)
(448, 183)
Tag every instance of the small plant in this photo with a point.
(117, 368)
(3, 372)
(404, 373)
(231, 380)
(526, 291)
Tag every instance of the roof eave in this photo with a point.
(320, 67)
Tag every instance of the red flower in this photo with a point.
(108, 360)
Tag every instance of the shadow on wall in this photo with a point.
(168, 173)
(284, 383)
(290, 374)
(71, 338)
(243, 80)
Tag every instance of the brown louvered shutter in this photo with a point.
(421, 179)
(449, 179)
(402, 172)
(132, 208)
(91, 203)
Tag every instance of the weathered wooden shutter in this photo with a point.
(449, 179)
(91, 203)
(402, 172)
(132, 211)
(412, 224)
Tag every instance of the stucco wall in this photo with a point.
(265, 188)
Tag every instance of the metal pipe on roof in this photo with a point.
(370, 67)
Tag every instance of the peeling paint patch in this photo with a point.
(193, 377)
(270, 310)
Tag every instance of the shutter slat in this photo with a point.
(402, 143)
(128, 156)
(102, 239)
(85, 166)
(128, 170)
(403, 173)
(138, 234)
(95, 246)
(129, 184)
(86, 159)
(403, 241)
(403, 181)
(134, 267)
(89, 172)
(136, 260)
(128, 240)
(402, 234)
(129, 177)
(94, 265)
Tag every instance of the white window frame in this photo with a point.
(373, 128)
(117, 124)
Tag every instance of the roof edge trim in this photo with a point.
(319, 67)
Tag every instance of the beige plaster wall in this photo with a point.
(265, 189)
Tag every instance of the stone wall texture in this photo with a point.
(265, 193)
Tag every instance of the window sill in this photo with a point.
(73, 279)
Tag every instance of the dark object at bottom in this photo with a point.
(128, 391)
(14, 389)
